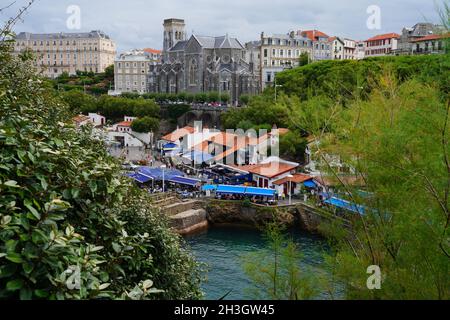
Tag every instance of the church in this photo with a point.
(202, 64)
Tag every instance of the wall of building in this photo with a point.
(70, 52)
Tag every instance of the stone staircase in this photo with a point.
(186, 216)
(189, 221)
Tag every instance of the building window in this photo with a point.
(192, 73)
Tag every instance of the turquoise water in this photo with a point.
(221, 248)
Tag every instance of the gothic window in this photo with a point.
(192, 73)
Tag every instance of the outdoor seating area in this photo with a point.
(255, 195)
(230, 183)
(157, 180)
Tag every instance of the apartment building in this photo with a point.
(280, 52)
(322, 48)
(360, 51)
(131, 70)
(407, 39)
(68, 52)
(431, 44)
(349, 49)
(337, 48)
(381, 45)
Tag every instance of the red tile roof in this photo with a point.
(432, 37)
(225, 139)
(124, 124)
(154, 51)
(179, 133)
(384, 37)
(297, 178)
(80, 118)
(268, 170)
(312, 34)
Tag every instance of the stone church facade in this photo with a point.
(202, 64)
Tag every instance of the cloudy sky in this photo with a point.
(138, 23)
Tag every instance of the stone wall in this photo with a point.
(234, 212)
(189, 221)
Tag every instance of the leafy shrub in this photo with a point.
(64, 205)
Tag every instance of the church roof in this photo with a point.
(180, 45)
(223, 42)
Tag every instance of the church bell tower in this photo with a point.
(173, 32)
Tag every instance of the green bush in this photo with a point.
(64, 205)
(336, 79)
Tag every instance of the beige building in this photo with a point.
(322, 48)
(280, 52)
(381, 45)
(68, 52)
(131, 70)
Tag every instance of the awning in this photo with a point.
(260, 192)
(209, 187)
(346, 205)
(310, 184)
(185, 181)
(170, 146)
(158, 173)
(231, 189)
(248, 191)
(139, 177)
(198, 157)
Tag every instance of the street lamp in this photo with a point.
(276, 86)
(290, 188)
(163, 186)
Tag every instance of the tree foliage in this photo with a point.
(275, 272)
(397, 141)
(145, 124)
(340, 79)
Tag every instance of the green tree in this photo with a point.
(244, 99)
(145, 124)
(225, 98)
(109, 72)
(143, 108)
(293, 145)
(213, 96)
(303, 60)
(275, 272)
(79, 101)
(397, 141)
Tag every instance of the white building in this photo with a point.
(360, 51)
(123, 133)
(337, 48)
(349, 49)
(97, 119)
